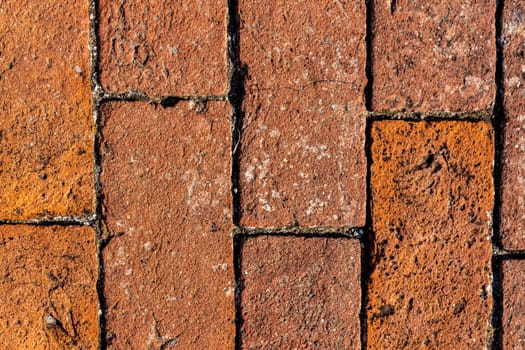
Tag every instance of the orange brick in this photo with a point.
(167, 200)
(302, 156)
(163, 47)
(300, 293)
(432, 56)
(48, 288)
(432, 200)
(46, 138)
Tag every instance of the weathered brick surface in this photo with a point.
(163, 47)
(46, 142)
(513, 172)
(513, 304)
(48, 291)
(166, 186)
(300, 293)
(302, 147)
(433, 56)
(432, 196)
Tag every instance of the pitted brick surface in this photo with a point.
(48, 291)
(166, 186)
(300, 293)
(430, 56)
(46, 134)
(513, 170)
(432, 196)
(302, 150)
(163, 47)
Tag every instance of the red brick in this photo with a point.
(513, 304)
(48, 288)
(167, 204)
(302, 149)
(513, 170)
(432, 197)
(163, 47)
(432, 56)
(46, 137)
(300, 293)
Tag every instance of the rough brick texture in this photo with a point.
(46, 142)
(300, 293)
(432, 196)
(513, 305)
(163, 47)
(302, 148)
(513, 172)
(48, 288)
(433, 56)
(166, 186)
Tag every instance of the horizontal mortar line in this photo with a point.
(166, 100)
(56, 220)
(479, 115)
(322, 231)
(505, 254)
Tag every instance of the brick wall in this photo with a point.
(246, 174)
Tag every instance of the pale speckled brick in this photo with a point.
(163, 47)
(513, 304)
(302, 150)
(300, 293)
(513, 169)
(167, 204)
(430, 56)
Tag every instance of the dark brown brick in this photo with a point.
(432, 199)
(513, 304)
(48, 288)
(46, 136)
(167, 204)
(433, 56)
(163, 47)
(513, 170)
(302, 148)
(300, 293)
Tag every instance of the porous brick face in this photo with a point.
(46, 138)
(187, 174)
(513, 169)
(302, 150)
(48, 291)
(432, 56)
(167, 204)
(432, 196)
(300, 293)
(513, 304)
(163, 47)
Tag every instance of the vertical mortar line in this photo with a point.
(498, 124)
(367, 237)
(235, 96)
(97, 94)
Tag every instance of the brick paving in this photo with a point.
(255, 175)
